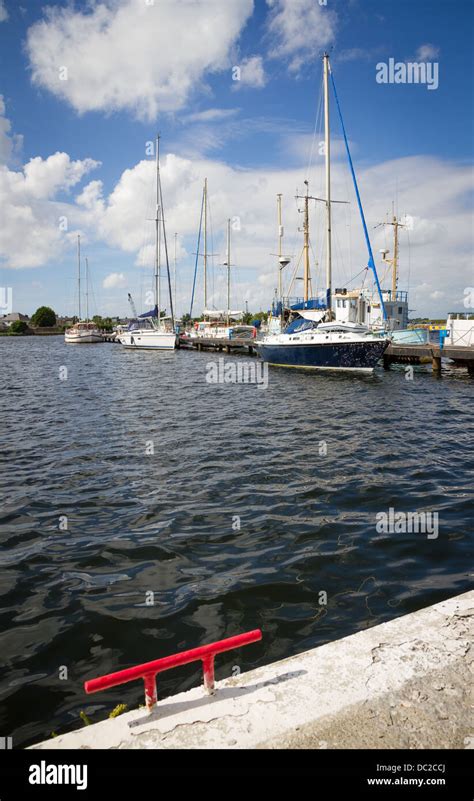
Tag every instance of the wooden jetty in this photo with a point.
(429, 353)
(245, 344)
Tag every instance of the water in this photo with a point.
(167, 523)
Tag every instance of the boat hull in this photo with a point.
(361, 356)
(83, 339)
(148, 340)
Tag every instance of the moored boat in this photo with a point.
(313, 339)
(151, 330)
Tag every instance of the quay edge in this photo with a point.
(400, 684)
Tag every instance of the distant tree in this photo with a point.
(18, 327)
(104, 323)
(186, 318)
(44, 317)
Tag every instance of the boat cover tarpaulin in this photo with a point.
(312, 303)
(151, 313)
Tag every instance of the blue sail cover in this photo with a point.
(152, 313)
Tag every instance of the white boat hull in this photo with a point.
(148, 340)
(85, 338)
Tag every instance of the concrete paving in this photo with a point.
(403, 684)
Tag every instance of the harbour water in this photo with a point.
(146, 511)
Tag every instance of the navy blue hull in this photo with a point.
(331, 356)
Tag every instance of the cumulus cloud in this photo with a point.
(431, 192)
(114, 281)
(299, 29)
(131, 55)
(432, 198)
(251, 73)
(35, 215)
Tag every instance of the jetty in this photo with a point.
(242, 344)
(427, 353)
(401, 684)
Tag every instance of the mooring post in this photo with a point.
(436, 363)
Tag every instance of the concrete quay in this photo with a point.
(406, 683)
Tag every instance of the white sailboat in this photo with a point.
(84, 332)
(313, 339)
(217, 323)
(151, 331)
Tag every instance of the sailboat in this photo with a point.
(216, 323)
(313, 339)
(84, 332)
(151, 331)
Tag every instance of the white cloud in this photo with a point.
(3, 12)
(251, 73)
(431, 198)
(299, 29)
(212, 115)
(130, 55)
(427, 52)
(35, 217)
(431, 191)
(114, 281)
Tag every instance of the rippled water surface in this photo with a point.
(166, 523)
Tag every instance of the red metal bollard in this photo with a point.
(149, 670)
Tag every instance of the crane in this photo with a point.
(132, 306)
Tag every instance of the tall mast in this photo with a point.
(157, 235)
(306, 245)
(175, 258)
(205, 243)
(327, 152)
(87, 289)
(280, 238)
(79, 273)
(394, 261)
(395, 257)
(228, 271)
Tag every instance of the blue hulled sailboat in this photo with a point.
(313, 339)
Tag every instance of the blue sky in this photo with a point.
(136, 67)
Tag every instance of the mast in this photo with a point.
(157, 235)
(79, 274)
(175, 249)
(165, 242)
(327, 151)
(280, 238)
(395, 224)
(306, 246)
(228, 271)
(205, 243)
(87, 289)
(394, 261)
